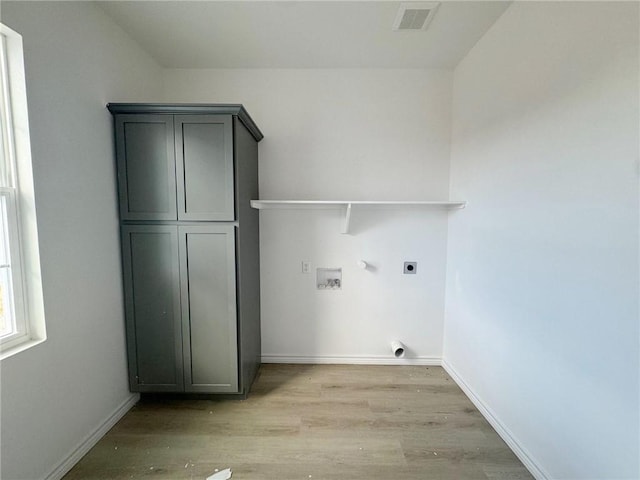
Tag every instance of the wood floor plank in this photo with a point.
(317, 422)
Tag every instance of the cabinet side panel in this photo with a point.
(146, 167)
(153, 310)
(204, 153)
(211, 297)
(248, 255)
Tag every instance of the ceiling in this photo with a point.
(300, 34)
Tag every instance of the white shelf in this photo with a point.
(348, 205)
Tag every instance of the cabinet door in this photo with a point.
(208, 288)
(146, 167)
(204, 165)
(152, 300)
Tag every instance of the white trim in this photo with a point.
(8, 351)
(525, 457)
(89, 441)
(18, 303)
(33, 299)
(352, 360)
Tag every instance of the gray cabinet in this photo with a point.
(146, 167)
(186, 175)
(175, 167)
(152, 307)
(204, 167)
(208, 288)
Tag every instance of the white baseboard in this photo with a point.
(527, 460)
(88, 442)
(352, 360)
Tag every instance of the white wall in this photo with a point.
(345, 134)
(55, 395)
(542, 304)
(542, 294)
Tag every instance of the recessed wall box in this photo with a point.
(329, 278)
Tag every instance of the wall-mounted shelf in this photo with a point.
(348, 205)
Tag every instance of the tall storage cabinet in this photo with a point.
(190, 246)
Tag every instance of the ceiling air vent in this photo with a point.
(415, 16)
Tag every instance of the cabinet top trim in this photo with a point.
(190, 109)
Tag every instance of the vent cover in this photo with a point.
(415, 16)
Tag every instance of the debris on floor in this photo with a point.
(221, 475)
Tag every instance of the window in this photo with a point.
(21, 303)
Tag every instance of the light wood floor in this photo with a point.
(311, 422)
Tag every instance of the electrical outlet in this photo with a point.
(410, 268)
(306, 267)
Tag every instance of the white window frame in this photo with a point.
(15, 305)
(17, 203)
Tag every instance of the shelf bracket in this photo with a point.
(347, 219)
